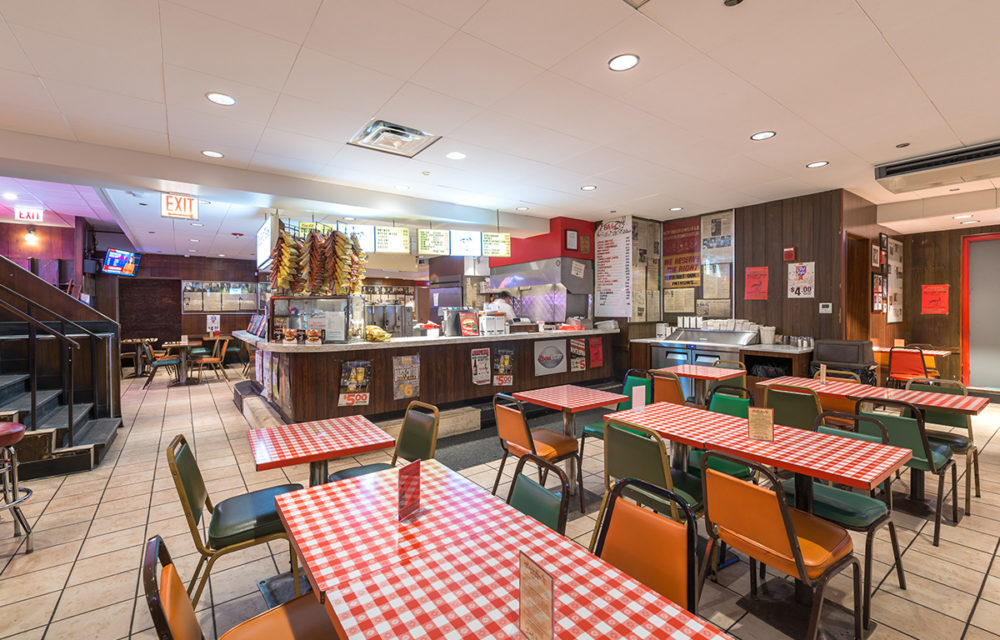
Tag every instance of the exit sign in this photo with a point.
(172, 206)
(28, 214)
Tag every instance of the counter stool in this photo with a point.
(10, 434)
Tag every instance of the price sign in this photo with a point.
(433, 242)
(353, 399)
(503, 380)
(496, 245)
(392, 239)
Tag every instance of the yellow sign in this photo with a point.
(392, 239)
(496, 245)
(433, 242)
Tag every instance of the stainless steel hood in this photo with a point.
(549, 290)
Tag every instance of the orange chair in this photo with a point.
(516, 439)
(655, 550)
(214, 361)
(758, 522)
(667, 388)
(302, 618)
(905, 364)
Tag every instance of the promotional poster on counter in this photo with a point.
(596, 353)
(503, 368)
(481, 366)
(405, 377)
(577, 354)
(550, 357)
(355, 379)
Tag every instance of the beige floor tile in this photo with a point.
(43, 558)
(36, 583)
(109, 622)
(914, 619)
(98, 594)
(987, 616)
(100, 566)
(28, 614)
(127, 538)
(975, 633)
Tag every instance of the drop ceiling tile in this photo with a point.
(482, 161)
(337, 83)
(420, 108)
(298, 167)
(191, 148)
(383, 35)
(293, 145)
(289, 20)
(213, 130)
(519, 138)
(314, 120)
(200, 42)
(186, 89)
(472, 70)
(86, 104)
(120, 136)
(544, 32)
(25, 91)
(15, 117)
(452, 12)
(11, 55)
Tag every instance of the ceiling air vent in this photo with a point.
(941, 169)
(393, 138)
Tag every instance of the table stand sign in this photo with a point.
(536, 617)
(822, 374)
(638, 398)
(760, 424)
(409, 490)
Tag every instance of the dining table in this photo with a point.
(452, 570)
(701, 376)
(137, 343)
(182, 352)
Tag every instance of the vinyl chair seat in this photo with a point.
(246, 517)
(846, 508)
(958, 442)
(11, 433)
(199, 351)
(163, 362)
(594, 430)
(548, 444)
(354, 472)
(686, 486)
(941, 452)
(729, 468)
(301, 618)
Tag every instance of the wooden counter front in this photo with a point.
(306, 384)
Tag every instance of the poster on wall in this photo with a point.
(878, 293)
(613, 268)
(405, 377)
(681, 253)
(503, 367)
(355, 378)
(894, 284)
(596, 353)
(678, 301)
(550, 357)
(717, 237)
(755, 283)
(577, 354)
(212, 323)
(801, 279)
(714, 308)
(883, 260)
(934, 299)
(481, 366)
(716, 281)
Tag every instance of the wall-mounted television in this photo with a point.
(120, 263)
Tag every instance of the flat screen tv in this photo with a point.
(120, 263)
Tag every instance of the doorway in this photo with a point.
(857, 279)
(980, 309)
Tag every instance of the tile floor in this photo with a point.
(83, 579)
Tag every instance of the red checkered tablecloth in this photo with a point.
(681, 423)
(570, 398)
(924, 399)
(699, 372)
(934, 353)
(290, 444)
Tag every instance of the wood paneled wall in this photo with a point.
(150, 308)
(53, 242)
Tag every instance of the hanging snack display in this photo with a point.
(324, 263)
(284, 261)
(358, 262)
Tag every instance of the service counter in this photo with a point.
(305, 382)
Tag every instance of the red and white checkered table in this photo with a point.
(570, 398)
(452, 571)
(701, 374)
(968, 405)
(316, 442)
(933, 353)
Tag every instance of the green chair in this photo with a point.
(632, 451)
(417, 440)
(235, 523)
(533, 499)
(959, 443)
(907, 431)
(855, 511)
(793, 406)
(728, 400)
(157, 364)
(633, 378)
(728, 364)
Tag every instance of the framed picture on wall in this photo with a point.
(878, 293)
(572, 240)
(883, 243)
(876, 256)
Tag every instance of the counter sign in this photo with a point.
(173, 206)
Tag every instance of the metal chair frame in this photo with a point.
(545, 467)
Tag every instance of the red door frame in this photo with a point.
(966, 241)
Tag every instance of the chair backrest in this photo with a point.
(907, 362)
(636, 452)
(167, 599)
(656, 550)
(189, 484)
(839, 373)
(840, 421)
(512, 426)
(635, 378)
(147, 351)
(905, 431)
(219, 350)
(667, 388)
(793, 406)
(751, 518)
(418, 435)
(530, 498)
(938, 385)
(728, 364)
(727, 399)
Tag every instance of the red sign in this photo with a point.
(682, 253)
(28, 214)
(934, 299)
(409, 490)
(755, 285)
(596, 353)
(788, 253)
(185, 207)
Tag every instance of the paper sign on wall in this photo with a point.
(503, 367)
(717, 237)
(596, 353)
(577, 269)
(613, 268)
(409, 490)
(577, 354)
(481, 366)
(535, 601)
(682, 254)
(755, 284)
(715, 282)
(934, 299)
(212, 323)
(801, 279)
(760, 424)
(405, 377)
(894, 282)
(355, 376)
(678, 300)
(550, 357)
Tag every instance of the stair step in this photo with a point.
(22, 402)
(11, 379)
(59, 418)
(99, 433)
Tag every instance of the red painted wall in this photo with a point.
(551, 244)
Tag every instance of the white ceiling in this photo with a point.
(521, 87)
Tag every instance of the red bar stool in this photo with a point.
(10, 434)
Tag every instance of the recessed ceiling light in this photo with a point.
(588, 187)
(197, 224)
(522, 208)
(194, 240)
(731, 3)
(954, 189)
(763, 135)
(426, 173)
(623, 62)
(9, 195)
(963, 216)
(402, 187)
(212, 154)
(143, 204)
(349, 219)
(971, 222)
(455, 155)
(676, 208)
(152, 232)
(902, 145)
(817, 165)
(224, 99)
(222, 255)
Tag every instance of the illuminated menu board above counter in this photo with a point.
(392, 239)
(365, 233)
(433, 242)
(496, 245)
(466, 243)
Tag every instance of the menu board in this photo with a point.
(613, 268)
(433, 242)
(266, 236)
(496, 245)
(365, 233)
(392, 239)
(466, 243)
(681, 253)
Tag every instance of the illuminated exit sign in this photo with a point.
(28, 214)
(185, 207)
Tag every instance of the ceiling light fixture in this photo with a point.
(962, 216)
(763, 135)
(197, 224)
(9, 195)
(522, 208)
(194, 240)
(817, 165)
(402, 187)
(455, 155)
(212, 154)
(954, 189)
(902, 145)
(223, 99)
(588, 187)
(222, 255)
(971, 222)
(731, 3)
(623, 62)
(677, 208)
